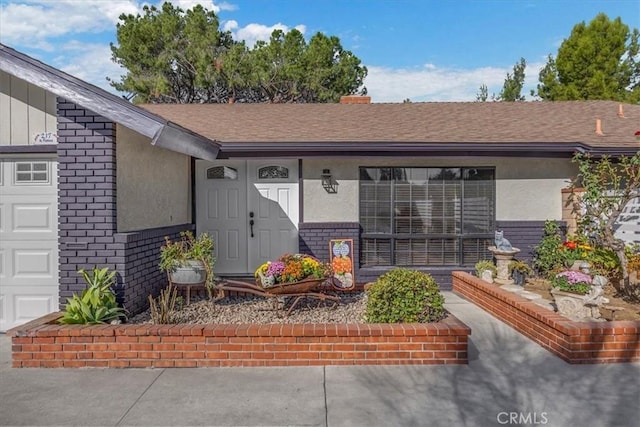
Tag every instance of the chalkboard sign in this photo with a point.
(341, 256)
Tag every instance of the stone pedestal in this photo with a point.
(503, 258)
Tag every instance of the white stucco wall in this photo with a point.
(154, 184)
(527, 189)
(25, 111)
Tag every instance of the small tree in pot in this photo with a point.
(188, 260)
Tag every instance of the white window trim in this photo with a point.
(31, 181)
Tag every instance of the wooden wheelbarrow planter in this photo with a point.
(308, 288)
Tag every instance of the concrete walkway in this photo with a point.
(509, 381)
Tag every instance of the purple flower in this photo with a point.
(275, 268)
(574, 277)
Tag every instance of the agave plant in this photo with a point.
(97, 303)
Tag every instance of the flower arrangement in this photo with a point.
(572, 281)
(575, 250)
(291, 268)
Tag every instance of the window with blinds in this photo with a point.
(426, 216)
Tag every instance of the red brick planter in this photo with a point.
(575, 342)
(44, 343)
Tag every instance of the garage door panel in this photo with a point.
(33, 263)
(18, 305)
(20, 220)
(32, 217)
(28, 240)
(32, 306)
(29, 261)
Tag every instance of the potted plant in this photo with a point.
(574, 282)
(519, 271)
(486, 265)
(573, 296)
(188, 260)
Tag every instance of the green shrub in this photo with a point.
(486, 264)
(549, 255)
(605, 262)
(97, 303)
(404, 296)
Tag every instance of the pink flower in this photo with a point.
(275, 268)
(574, 277)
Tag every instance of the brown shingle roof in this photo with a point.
(474, 122)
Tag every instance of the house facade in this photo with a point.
(420, 185)
(72, 198)
(89, 179)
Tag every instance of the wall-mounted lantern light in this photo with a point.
(328, 183)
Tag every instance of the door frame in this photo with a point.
(251, 168)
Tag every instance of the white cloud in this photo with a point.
(254, 32)
(431, 83)
(89, 62)
(189, 4)
(32, 22)
(227, 6)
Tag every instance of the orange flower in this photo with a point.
(341, 265)
(293, 271)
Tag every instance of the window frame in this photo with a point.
(32, 172)
(460, 236)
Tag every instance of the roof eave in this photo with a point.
(376, 148)
(176, 138)
(82, 93)
(162, 132)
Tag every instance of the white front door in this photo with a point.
(273, 201)
(251, 210)
(28, 239)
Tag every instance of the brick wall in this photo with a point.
(87, 213)
(140, 274)
(86, 195)
(43, 344)
(313, 239)
(574, 342)
(524, 235)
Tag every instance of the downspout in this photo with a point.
(193, 192)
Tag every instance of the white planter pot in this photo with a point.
(192, 273)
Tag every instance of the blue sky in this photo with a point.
(424, 50)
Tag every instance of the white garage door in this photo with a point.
(28, 239)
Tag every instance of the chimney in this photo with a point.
(621, 112)
(355, 99)
(599, 127)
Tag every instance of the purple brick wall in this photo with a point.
(314, 240)
(524, 235)
(86, 195)
(140, 273)
(87, 213)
